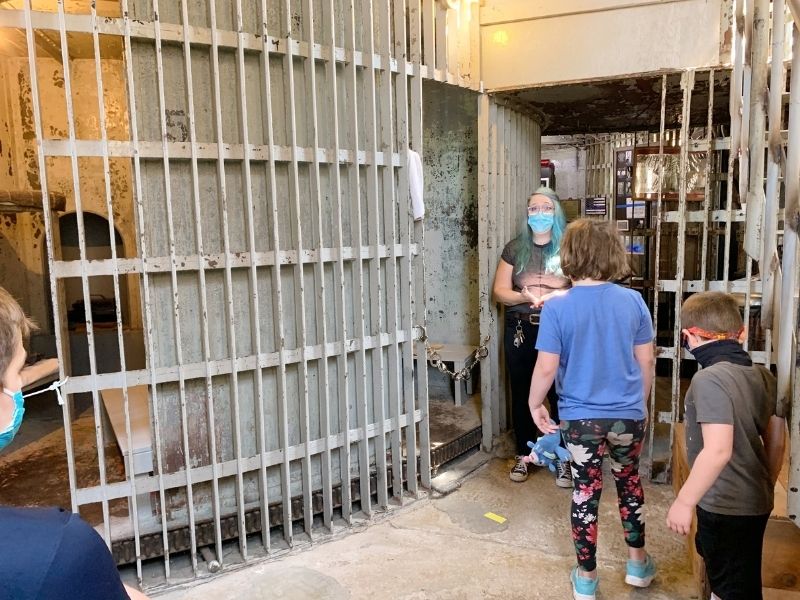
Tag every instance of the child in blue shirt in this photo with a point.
(596, 341)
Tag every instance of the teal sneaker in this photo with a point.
(640, 573)
(583, 588)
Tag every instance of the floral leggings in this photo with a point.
(587, 441)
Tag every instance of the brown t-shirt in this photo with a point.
(745, 397)
(534, 275)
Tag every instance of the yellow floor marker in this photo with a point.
(494, 517)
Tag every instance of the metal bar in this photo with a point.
(735, 109)
(375, 269)
(412, 107)
(216, 260)
(788, 375)
(405, 398)
(148, 317)
(176, 311)
(657, 265)
(76, 190)
(490, 377)
(429, 35)
(319, 270)
(201, 277)
(707, 192)
(747, 74)
(277, 286)
(419, 296)
(687, 84)
(150, 483)
(56, 289)
(228, 286)
(343, 395)
(442, 64)
(329, 29)
(132, 501)
(299, 290)
(209, 151)
(770, 281)
(255, 303)
(757, 127)
(83, 383)
(172, 33)
(391, 197)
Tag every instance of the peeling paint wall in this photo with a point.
(23, 262)
(450, 161)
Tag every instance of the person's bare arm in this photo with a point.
(646, 358)
(544, 373)
(716, 452)
(503, 287)
(775, 444)
(38, 370)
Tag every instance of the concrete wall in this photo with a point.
(450, 160)
(570, 167)
(533, 42)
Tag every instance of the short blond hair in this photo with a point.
(593, 249)
(13, 323)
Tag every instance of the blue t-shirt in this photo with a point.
(593, 329)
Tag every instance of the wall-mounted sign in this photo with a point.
(595, 205)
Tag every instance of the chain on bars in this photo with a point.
(436, 361)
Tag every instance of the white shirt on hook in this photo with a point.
(415, 184)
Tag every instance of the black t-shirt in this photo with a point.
(535, 275)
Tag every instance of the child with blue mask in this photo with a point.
(45, 552)
(14, 328)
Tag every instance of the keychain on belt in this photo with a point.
(519, 337)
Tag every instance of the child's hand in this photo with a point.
(679, 517)
(542, 419)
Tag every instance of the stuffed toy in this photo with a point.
(545, 452)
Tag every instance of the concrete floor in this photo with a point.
(444, 547)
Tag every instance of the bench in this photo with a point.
(139, 454)
(458, 355)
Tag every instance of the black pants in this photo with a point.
(519, 364)
(731, 548)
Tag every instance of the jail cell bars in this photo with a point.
(509, 153)
(270, 252)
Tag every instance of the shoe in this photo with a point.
(640, 573)
(563, 474)
(583, 588)
(520, 471)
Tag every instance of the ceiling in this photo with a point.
(630, 104)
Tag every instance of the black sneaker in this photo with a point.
(520, 471)
(563, 474)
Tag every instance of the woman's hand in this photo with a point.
(534, 301)
(541, 417)
(546, 297)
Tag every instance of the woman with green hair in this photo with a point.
(529, 272)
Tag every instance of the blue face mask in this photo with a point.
(540, 223)
(16, 419)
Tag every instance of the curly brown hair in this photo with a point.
(593, 249)
(13, 323)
